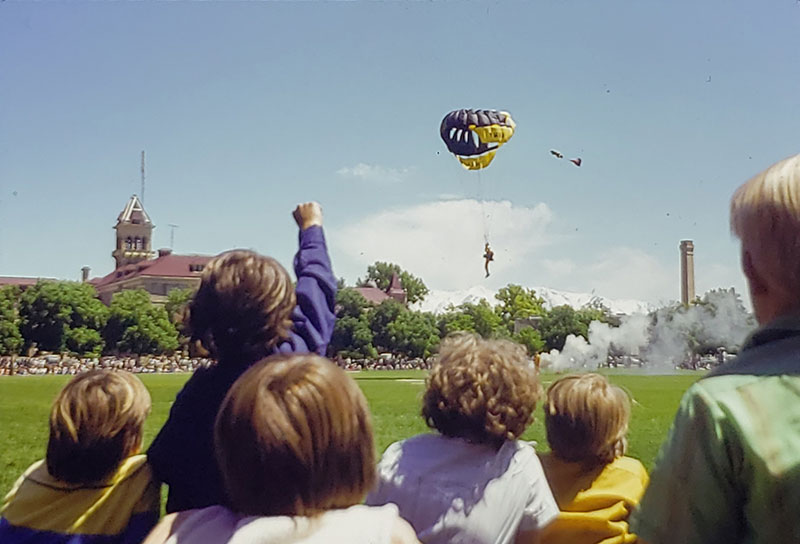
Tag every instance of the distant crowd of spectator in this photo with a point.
(59, 364)
(384, 362)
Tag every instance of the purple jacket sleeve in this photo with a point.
(313, 317)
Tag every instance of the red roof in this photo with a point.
(174, 266)
(21, 282)
(372, 294)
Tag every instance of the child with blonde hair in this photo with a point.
(245, 309)
(595, 485)
(474, 481)
(729, 470)
(294, 444)
(93, 485)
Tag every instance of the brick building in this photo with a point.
(139, 267)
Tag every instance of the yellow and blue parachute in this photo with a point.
(474, 136)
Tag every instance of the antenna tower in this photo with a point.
(172, 235)
(142, 198)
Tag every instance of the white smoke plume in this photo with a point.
(629, 338)
(662, 340)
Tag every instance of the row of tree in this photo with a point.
(63, 317)
(364, 330)
(67, 317)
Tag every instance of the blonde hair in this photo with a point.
(586, 419)
(95, 423)
(294, 437)
(243, 306)
(483, 391)
(765, 216)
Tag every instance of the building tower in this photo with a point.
(134, 234)
(687, 272)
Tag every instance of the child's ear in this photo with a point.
(757, 284)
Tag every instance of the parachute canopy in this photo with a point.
(474, 136)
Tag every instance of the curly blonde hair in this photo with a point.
(243, 306)
(484, 391)
(586, 419)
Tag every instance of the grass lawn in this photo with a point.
(394, 399)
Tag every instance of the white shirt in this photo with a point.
(453, 491)
(218, 525)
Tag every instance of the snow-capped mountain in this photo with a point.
(438, 301)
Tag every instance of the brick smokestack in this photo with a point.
(687, 272)
(85, 274)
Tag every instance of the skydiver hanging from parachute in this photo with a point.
(488, 255)
(474, 136)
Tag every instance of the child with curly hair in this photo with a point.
(595, 485)
(473, 481)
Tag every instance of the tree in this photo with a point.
(177, 302)
(50, 309)
(595, 310)
(10, 336)
(517, 302)
(485, 320)
(135, 325)
(352, 337)
(350, 303)
(85, 342)
(414, 334)
(479, 318)
(381, 273)
(559, 323)
(379, 320)
(454, 320)
(531, 339)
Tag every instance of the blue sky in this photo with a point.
(245, 109)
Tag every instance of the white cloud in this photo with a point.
(558, 267)
(374, 173)
(442, 242)
(617, 272)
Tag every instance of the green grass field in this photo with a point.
(394, 399)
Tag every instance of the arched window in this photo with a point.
(137, 243)
(128, 243)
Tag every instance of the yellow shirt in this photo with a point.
(594, 504)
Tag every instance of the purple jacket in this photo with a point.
(182, 455)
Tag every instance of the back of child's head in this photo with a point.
(765, 216)
(243, 306)
(95, 423)
(294, 437)
(483, 391)
(586, 419)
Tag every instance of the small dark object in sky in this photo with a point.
(667, 214)
(556, 154)
(576, 162)
(14, 193)
(708, 80)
